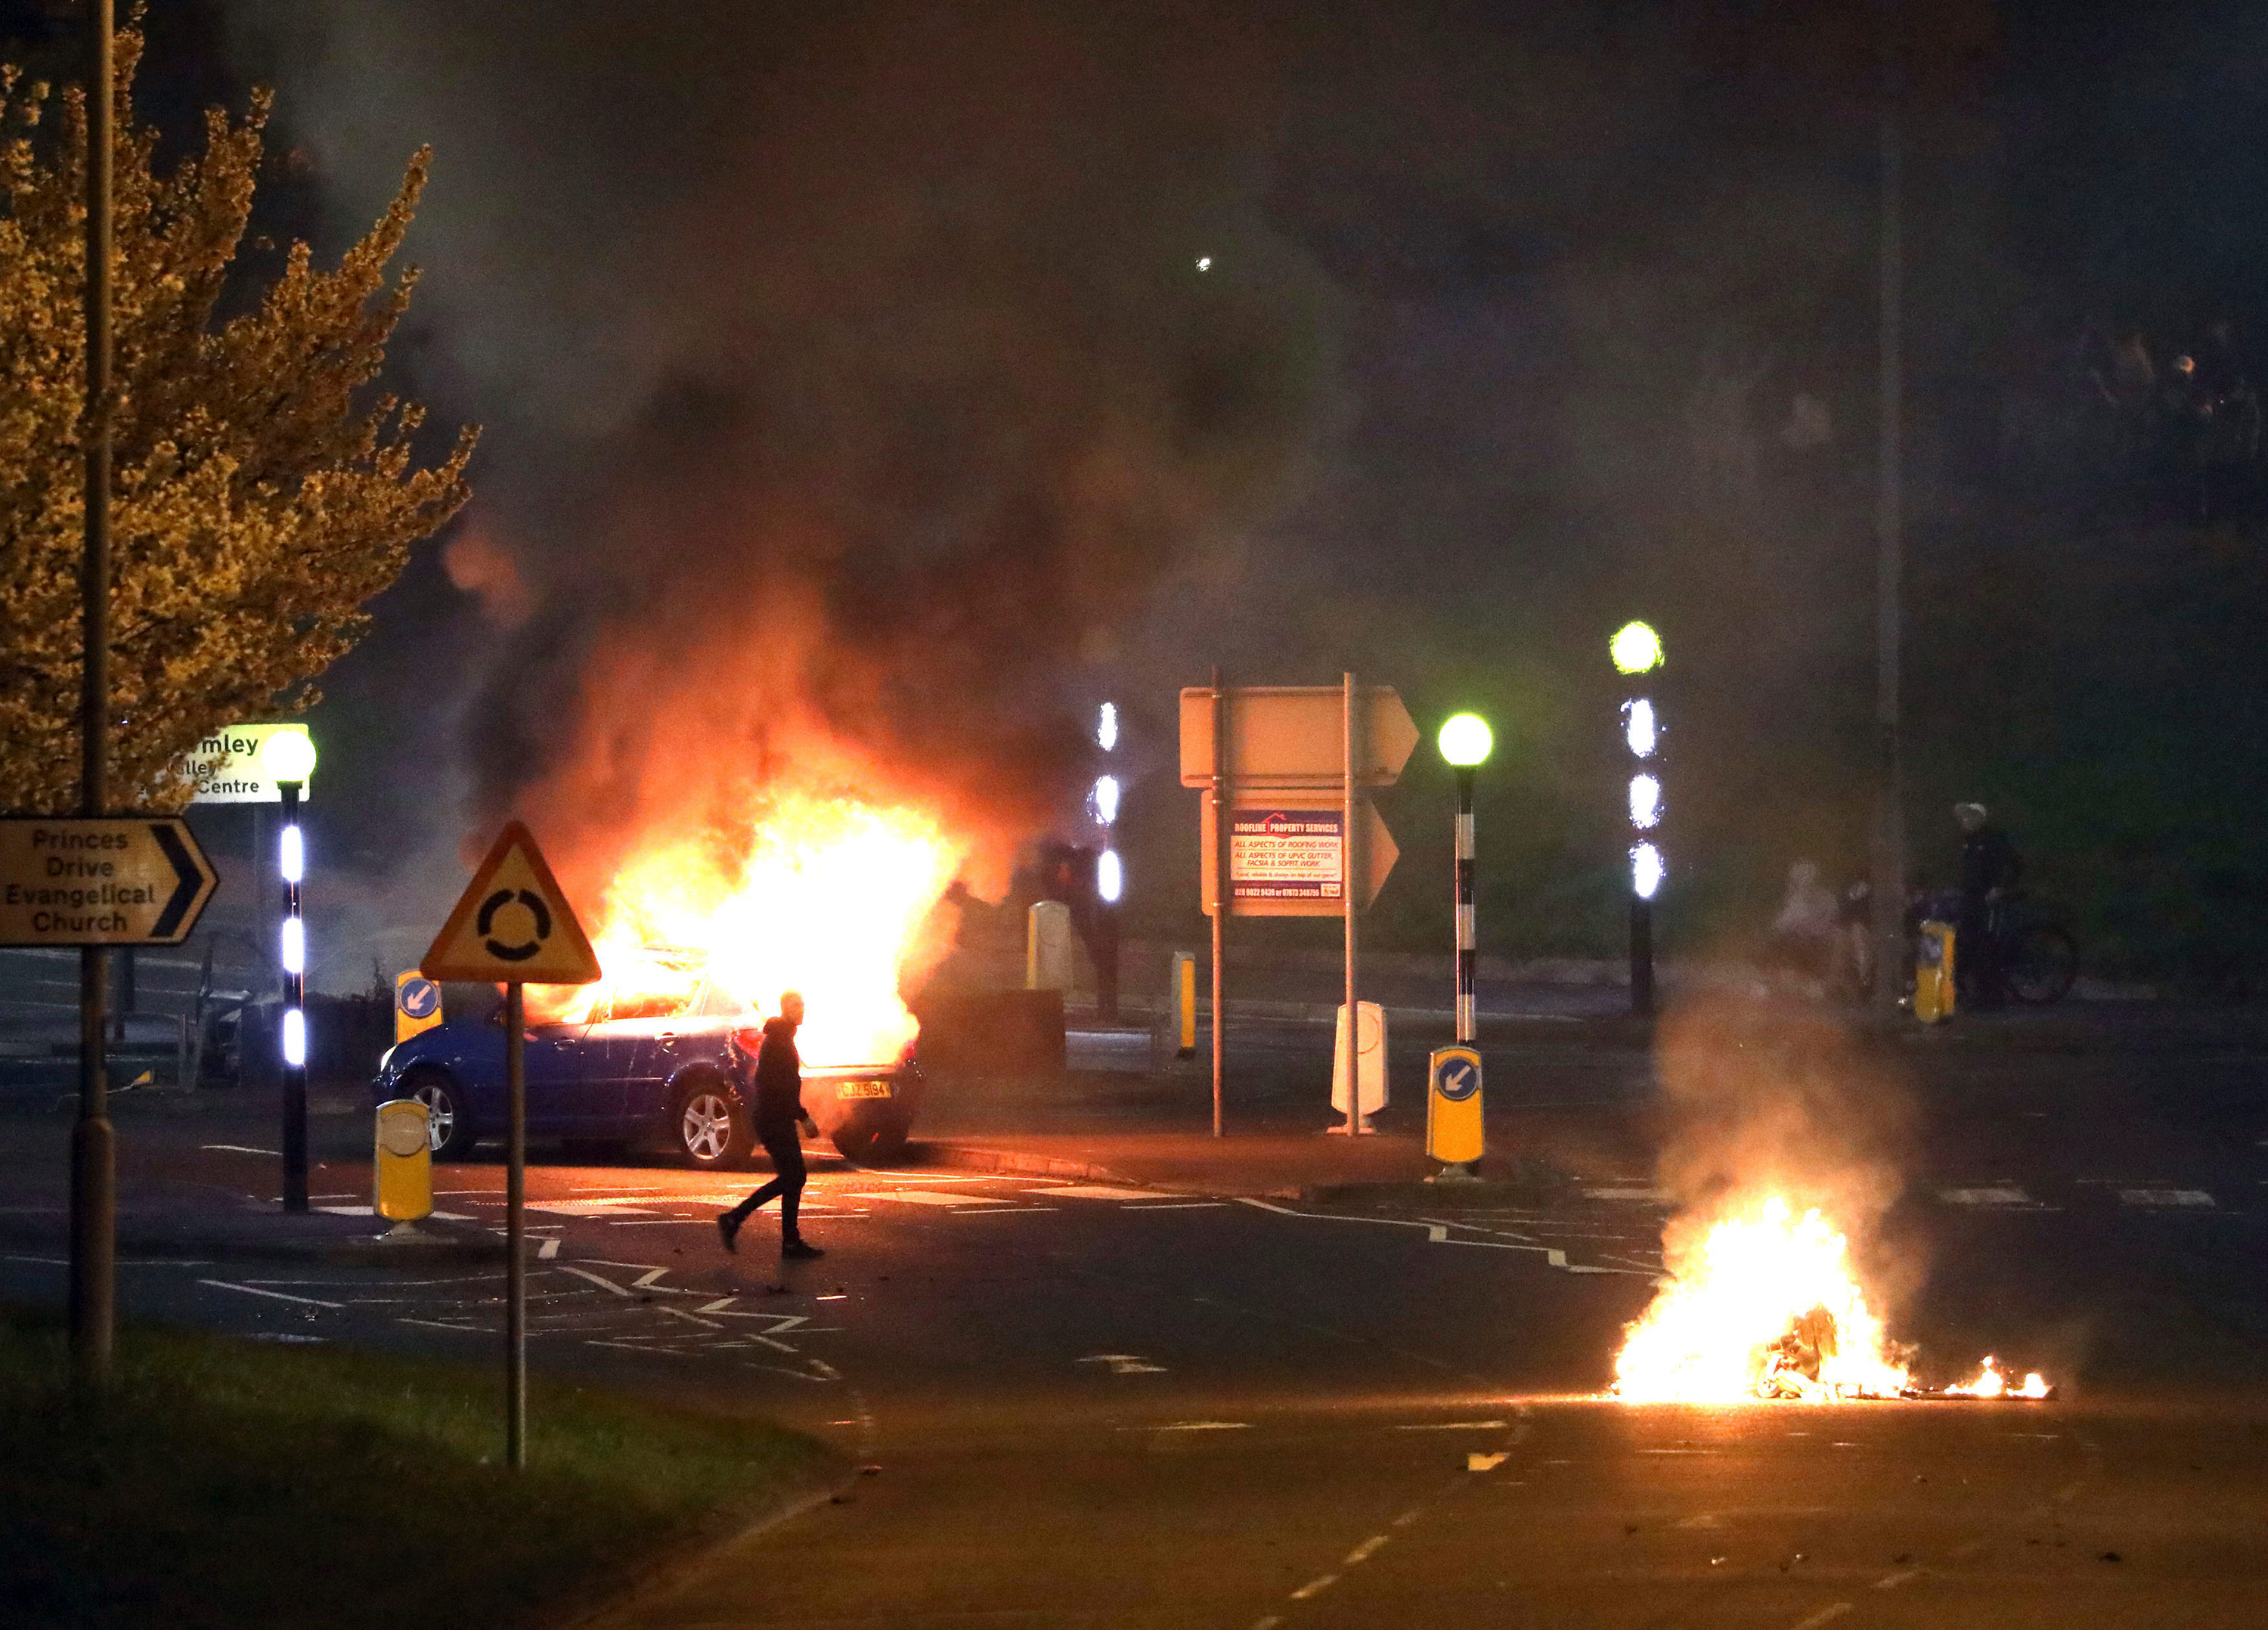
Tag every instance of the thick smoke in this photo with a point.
(852, 379)
(1764, 1098)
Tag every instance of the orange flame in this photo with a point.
(1714, 1331)
(1990, 1382)
(829, 895)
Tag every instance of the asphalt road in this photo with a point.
(1093, 1407)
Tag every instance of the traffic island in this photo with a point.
(227, 1483)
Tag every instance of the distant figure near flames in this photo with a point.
(779, 1112)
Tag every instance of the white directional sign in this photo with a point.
(124, 880)
(225, 769)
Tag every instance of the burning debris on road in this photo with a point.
(1767, 1307)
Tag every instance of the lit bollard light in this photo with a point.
(1637, 649)
(288, 759)
(1109, 872)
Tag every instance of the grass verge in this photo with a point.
(227, 1483)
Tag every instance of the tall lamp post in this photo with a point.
(288, 759)
(1465, 741)
(1454, 1133)
(1637, 651)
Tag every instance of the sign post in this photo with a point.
(1286, 830)
(94, 1168)
(513, 925)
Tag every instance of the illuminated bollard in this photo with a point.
(402, 1165)
(1047, 946)
(1370, 1067)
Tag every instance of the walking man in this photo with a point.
(779, 1112)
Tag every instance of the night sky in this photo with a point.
(1518, 322)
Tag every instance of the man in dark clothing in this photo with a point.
(1989, 869)
(779, 1110)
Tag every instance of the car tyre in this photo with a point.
(447, 1115)
(712, 1126)
(871, 1141)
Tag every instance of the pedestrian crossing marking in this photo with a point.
(1998, 1194)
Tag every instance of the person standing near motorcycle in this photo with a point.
(1989, 867)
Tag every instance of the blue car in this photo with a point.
(666, 1054)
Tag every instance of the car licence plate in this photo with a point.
(863, 1089)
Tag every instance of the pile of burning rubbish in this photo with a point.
(1766, 1307)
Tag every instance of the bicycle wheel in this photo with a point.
(2041, 964)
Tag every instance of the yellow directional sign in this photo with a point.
(128, 881)
(416, 1005)
(512, 924)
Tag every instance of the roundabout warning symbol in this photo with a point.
(512, 924)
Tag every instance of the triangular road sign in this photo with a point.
(513, 923)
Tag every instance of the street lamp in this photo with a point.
(288, 758)
(1452, 1088)
(1637, 650)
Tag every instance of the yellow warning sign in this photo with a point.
(513, 923)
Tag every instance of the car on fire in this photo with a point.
(664, 1052)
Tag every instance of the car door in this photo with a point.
(644, 1047)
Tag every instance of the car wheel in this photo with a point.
(447, 1119)
(713, 1128)
(865, 1142)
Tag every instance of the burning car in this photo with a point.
(662, 1049)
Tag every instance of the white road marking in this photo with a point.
(254, 1290)
(1125, 1363)
(2165, 1197)
(550, 1249)
(242, 1148)
(1824, 1616)
(1315, 1587)
(1181, 1205)
(590, 1208)
(1438, 1233)
(600, 1280)
(1998, 1194)
(1455, 1426)
(1095, 1192)
(1652, 1197)
(825, 1371)
(1484, 1463)
(927, 1197)
(1892, 1581)
(647, 1278)
(718, 1306)
(1364, 1551)
(1199, 1425)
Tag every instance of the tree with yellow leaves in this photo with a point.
(261, 495)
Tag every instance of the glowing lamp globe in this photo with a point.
(288, 757)
(1636, 648)
(1465, 740)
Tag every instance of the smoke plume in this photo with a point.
(851, 376)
